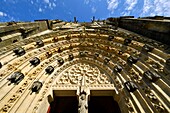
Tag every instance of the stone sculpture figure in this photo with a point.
(35, 61)
(19, 51)
(110, 38)
(106, 60)
(16, 77)
(127, 41)
(151, 76)
(83, 106)
(70, 56)
(36, 86)
(132, 60)
(83, 53)
(49, 69)
(39, 43)
(60, 61)
(147, 48)
(130, 86)
(117, 68)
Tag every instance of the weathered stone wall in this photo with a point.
(155, 29)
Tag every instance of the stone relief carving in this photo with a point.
(91, 75)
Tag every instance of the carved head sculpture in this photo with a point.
(49, 69)
(60, 61)
(83, 53)
(132, 60)
(48, 54)
(19, 51)
(70, 56)
(117, 68)
(127, 41)
(147, 48)
(130, 86)
(106, 60)
(55, 39)
(39, 43)
(16, 77)
(59, 50)
(96, 54)
(110, 38)
(36, 86)
(152, 76)
(35, 61)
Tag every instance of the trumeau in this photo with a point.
(54, 58)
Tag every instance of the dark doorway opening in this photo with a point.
(67, 104)
(103, 104)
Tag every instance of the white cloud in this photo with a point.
(130, 4)
(47, 1)
(112, 5)
(156, 7)
(86, 1)
(32, 2)
(40, 10)
(93, 9)
(54, 5)
(2, 14)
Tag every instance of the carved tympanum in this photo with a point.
(83, 72)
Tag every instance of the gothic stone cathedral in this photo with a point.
(117, 65)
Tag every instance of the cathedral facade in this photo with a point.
(117, 65)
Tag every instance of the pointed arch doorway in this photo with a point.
(84, 88)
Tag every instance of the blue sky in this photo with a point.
(84, 10)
